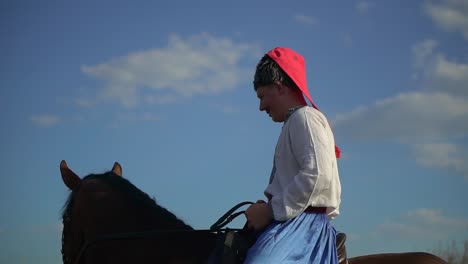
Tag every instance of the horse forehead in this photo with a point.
(93, 189)
(92, 185)
(97, 199)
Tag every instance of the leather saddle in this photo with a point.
(341, 248)
(230, 215)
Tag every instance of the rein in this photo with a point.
(229, 216)
(216, 228)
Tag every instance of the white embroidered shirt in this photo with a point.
(305, 171)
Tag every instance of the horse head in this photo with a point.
(73, 234)
(107, 206)
(73, 181)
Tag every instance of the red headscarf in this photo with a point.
(293, 64)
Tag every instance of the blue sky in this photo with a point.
(164, 88)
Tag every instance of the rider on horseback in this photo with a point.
(304, 188)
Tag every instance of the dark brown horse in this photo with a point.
(398, 258)
(106, 219)
(103, 205)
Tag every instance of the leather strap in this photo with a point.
(229, 216)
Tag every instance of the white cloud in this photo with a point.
(150, 117)
(429, 123)
(86, 102)
(45, 120)
(450, 15)
(127, 117)
(422, 223)
(161, 99)
(438, 73)
(452, 75)
(306, 20)
(408, 117)
(200, 64)
(422, 52)
(363, 6)
(442, 156)
(429, 120)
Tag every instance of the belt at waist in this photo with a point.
(317, 210)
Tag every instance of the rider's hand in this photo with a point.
(259, 215)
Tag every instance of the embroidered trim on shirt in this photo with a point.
(291, 111)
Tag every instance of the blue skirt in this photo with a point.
(307, 238)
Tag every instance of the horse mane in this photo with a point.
(137, 197)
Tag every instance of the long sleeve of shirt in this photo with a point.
(305, 169)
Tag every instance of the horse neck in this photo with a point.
(107, 210)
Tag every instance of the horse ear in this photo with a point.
(117, 169)
(71, 180)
